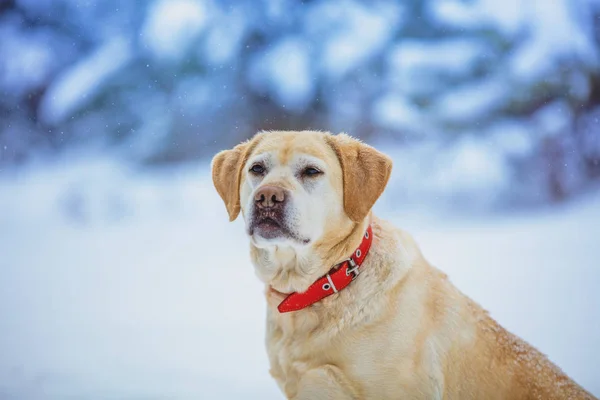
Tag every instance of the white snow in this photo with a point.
(553, 33)
(550, 33)
(350, 33)
(505, 15)
(224, 39)
(469, 174)
(512, 137)
(78, 85)
(397, 112)
(120, 284)
(553, 119)
(26, 59)
(418, 66)
(471, 101)
(284, 71)
(172, 26)
(471, 165)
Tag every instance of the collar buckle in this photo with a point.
(352, 268)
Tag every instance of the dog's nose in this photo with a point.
(269, 197)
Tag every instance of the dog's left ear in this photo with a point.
(366, 172)
(227, 172)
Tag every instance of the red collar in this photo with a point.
(335, 280)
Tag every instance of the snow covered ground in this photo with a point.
(121, 284)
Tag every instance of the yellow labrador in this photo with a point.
(393, 328)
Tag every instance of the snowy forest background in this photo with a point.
(495, 102)
(119, 274)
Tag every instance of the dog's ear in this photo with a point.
(227, 172)
(366, 172)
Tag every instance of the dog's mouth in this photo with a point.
(268, 227)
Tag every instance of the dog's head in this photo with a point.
(293, 186)
(301, 191)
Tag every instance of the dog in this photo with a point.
(354, 309)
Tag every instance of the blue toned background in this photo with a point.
(120, 277)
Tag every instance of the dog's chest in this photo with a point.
(380, 360)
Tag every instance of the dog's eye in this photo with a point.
(310, 171)
(257, 169)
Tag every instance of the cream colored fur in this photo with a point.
(401, 330)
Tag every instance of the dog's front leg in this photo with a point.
(327, 383)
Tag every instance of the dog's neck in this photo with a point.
(289, 269)
(391, 257)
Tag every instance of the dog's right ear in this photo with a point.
(227, 172)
